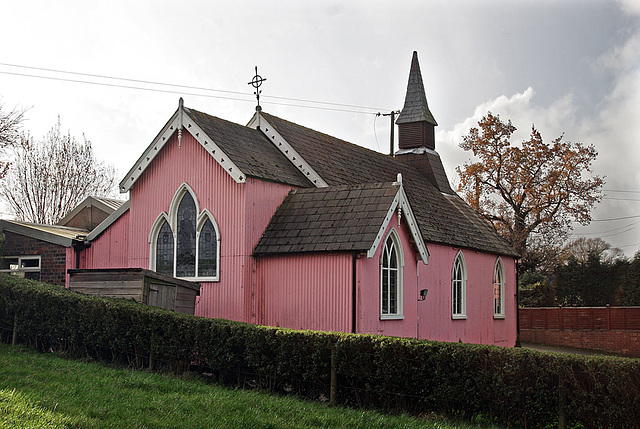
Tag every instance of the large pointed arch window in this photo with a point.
(498, 290)
(186, 237)
(459, 288)
(186, 242)
(391, 278)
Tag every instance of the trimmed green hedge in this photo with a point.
(517, 387)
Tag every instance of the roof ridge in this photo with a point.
(325, 134)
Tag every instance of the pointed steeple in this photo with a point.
(416, 108)
(416, 132)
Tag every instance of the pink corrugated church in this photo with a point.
(285, 226)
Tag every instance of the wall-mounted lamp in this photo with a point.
(423, 294)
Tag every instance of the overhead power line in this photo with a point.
(340, 107)
(616, 218)
(622, 190)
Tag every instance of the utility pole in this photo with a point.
(392, 114)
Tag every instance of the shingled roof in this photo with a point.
(442, 218)
(250, 150)
(415, 107)
(337, 218)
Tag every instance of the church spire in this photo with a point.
(416, 132)
(415, 107)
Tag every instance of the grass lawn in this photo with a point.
(47, 391)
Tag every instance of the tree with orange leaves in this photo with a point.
(532, 188)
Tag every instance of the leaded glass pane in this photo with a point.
(385, 291)
(164, 250)
(393, 263)
(207, 251)
(186, 249)
(393, 290)
(497, 290)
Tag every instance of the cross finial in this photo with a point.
(256, 82)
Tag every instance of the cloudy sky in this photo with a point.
(570, 66)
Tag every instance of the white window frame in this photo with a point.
(498, 271)
(19, 270)
(172, 219)
(395, 239)
(459, 259)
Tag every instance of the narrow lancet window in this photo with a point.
(164, 250)
(186, 246)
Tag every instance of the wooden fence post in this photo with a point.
(608, 317)
(14, 338)
(333, 390)
(560, 320)
(562, 403)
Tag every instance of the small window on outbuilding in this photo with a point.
(27, 266)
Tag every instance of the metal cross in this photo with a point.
(256, 82)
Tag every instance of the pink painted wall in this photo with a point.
(431, 319)
(479, 326)
(241, 210)
(111, 248)
(368, 297)
(307, 291)
(70, 262)
(311, 291)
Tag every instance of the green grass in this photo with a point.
(47, 391)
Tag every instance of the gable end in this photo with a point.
(180, 121)
(260, 123)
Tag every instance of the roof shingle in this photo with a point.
(337, 218)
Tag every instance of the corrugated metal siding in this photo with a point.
(216, 191)
(111, 248)
(70, 262)
(241, 210)
(310, 291)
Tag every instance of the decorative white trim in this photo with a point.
(179, 121)
(177, 198)
(401, 202)
(260, 123)
(463, 291)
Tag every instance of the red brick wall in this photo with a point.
(623, 342)
(53, 257)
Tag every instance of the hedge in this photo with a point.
(516, 387)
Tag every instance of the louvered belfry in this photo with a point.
(416, 132)
(416, 124)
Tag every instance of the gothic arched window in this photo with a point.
(186, 242)
(391, 277)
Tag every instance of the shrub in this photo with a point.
(517, 387)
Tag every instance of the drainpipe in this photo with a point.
(517, 300)
(79, 244)
(354, 281)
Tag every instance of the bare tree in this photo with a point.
(581, 249)
(48, 178)
(10, 123)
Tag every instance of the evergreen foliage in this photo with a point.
(516, 387)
